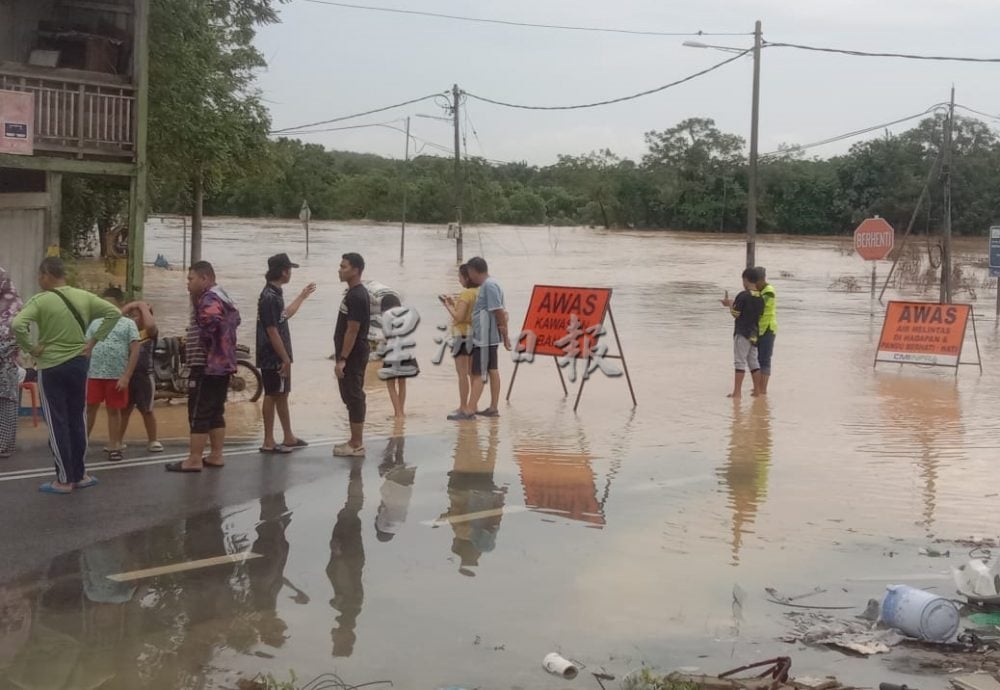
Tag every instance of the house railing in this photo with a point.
(78, 116)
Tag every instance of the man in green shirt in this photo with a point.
(62, 353)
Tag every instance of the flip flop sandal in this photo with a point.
(213, 465)
(87, 483)
(277, 450)
(299, 443)
(51, 488)
(179, 467)
(115, 456)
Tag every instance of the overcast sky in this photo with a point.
(326, 62)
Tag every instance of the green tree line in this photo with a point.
(693, 177)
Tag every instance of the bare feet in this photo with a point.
(734, 396)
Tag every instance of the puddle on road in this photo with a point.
(462, 554)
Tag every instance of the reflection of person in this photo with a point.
(396, 489)
(489, 329)
(142, 387)
(10, 305)
(746, 469)
(350, 341)
(471, 490)
(746, 310)
(15, 622)
(460, 310)
(347, 561)
(266, 574)
(768, 327)
(274, 351)
(61, 314)
(112, 364)
(211, 360)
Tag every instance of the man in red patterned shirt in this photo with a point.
(211, 357)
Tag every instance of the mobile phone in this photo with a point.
(442, 298)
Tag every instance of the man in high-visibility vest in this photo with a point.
(768, 329)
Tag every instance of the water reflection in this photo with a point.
(746, 468)
(347, 561)
(475, 501)
(397, 487)
(72, 626)
(924, 414)
(266, 575)
(560, 483)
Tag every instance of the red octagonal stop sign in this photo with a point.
(873, 239)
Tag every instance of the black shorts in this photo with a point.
(461, 345)
(141, 391)
(275, 383)
(352, 387)
(477, 359)
(207, 402)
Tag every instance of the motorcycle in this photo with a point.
(170, 372)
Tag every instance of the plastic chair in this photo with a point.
(32, 389)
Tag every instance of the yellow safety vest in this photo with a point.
(769, 319)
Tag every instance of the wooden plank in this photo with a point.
(67, 165)
(97, 6)
(25, 200)
(975, 681)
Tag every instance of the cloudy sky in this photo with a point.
(327, 61)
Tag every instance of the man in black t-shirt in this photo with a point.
(274, 351)
(746, 310)
(350, 342)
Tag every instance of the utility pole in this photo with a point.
(304, 215)
(458, 177)
(946, 231)
(406, 179)
(752, 171)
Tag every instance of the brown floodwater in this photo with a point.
(460, 554)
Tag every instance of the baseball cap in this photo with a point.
(280, 261)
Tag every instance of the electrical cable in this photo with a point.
(978, 112)
(848, 135)
(613, 100)
(505, 22)
(386, 125)
(356, 115)
(862, 53)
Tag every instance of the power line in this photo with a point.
(978, 112)
(351, 117)
(504, 22)
(385, 125)
(613, 100)
(861, 53)
(850, 135)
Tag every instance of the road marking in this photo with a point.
(144, 461)
(478, 515)
(183, 567)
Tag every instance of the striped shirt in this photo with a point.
(194, 353)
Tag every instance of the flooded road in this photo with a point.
(460, 554)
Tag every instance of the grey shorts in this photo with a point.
(744, 354)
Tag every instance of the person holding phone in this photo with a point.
(460, 309)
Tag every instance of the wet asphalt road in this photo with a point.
(134, 495)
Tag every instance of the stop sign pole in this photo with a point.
(873, 241)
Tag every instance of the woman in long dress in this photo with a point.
(10, 305)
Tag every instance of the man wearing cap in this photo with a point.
(274, 351)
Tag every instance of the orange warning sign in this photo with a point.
(923, 333)
(550, 317)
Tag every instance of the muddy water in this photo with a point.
(462, 554)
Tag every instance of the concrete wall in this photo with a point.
(22, 238)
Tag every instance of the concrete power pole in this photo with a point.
(946, 231)
(406, 179)
(752, 169)
(458, 176)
